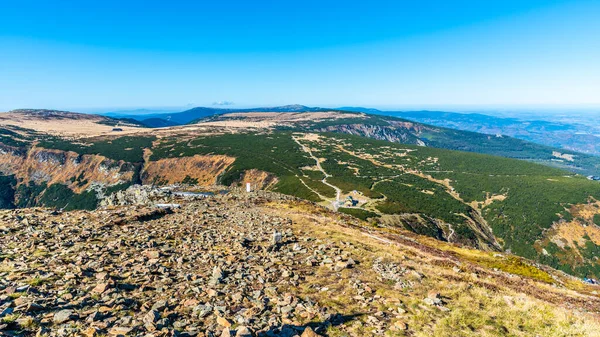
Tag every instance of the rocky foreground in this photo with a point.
(261, 264)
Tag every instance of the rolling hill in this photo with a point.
(465, 132)
(330, 158)
(198, 113)
(408, 132)
(66, 123)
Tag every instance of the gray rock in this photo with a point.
(160, 305)
(151, 317)
(276, 238)
(63, 316)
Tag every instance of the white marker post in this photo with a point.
(248, 188)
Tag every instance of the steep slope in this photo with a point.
(197, 170)
(40, 169)
(262, 265)
(59, 178)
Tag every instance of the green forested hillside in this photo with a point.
(408, 132)
(534, 197)
(127, 148)
(474, 199)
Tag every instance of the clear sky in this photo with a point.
(100, 54)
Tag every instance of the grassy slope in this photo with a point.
(536, 196)
(127, 148)
(482, 300)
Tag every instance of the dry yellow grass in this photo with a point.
(253, 120)
(85, 126)
(576, 232)
(479, 300)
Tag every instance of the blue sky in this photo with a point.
(387, 54)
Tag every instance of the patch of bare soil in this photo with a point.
(479, 205)
(259, 180)
(204, 169)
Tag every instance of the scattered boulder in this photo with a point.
(63, 316)
(243, 331)
(309, 332)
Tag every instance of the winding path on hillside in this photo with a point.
(338, 191)
(478, 224)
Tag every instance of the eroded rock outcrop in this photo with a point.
(398, 132)
(198, 169)
(258, 179)
(77, 171)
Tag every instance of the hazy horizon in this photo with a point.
(489, 109)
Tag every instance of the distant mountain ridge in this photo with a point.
(141, 111)
(194, 114)
(416, 127)
(50, 113)
(569, 136)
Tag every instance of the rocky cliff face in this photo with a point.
(198, 169)
(258, 179)
(59, 167)
(398, 132)
(79, 173)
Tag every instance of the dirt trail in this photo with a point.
(338, 191)
(451, 232)
(477, 222)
